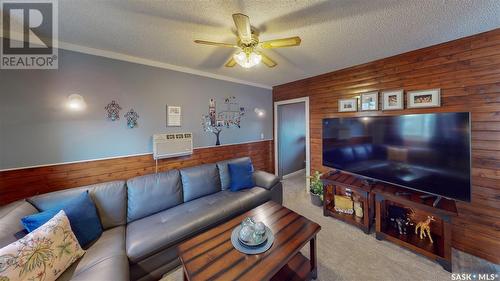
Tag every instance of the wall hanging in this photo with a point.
(131, 117)
(348, 105)
(369, 101)
(214, 122)
(173, 116)
(113, 111)
(424, 98)
(392, 100)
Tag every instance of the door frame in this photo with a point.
(308, 142)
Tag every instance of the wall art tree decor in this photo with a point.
(230, 117)
(113, 111)
(131, 117)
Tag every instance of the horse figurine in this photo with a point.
(425, 228)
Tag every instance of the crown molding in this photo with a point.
(138, 60)
(148, 62)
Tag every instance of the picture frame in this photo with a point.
(392, 100)
(369, 101)
(348, 105)
(424, 98)
(174, 114)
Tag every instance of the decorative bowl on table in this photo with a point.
(252, 237)
(251, 233)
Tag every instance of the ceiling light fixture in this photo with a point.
(76, 102)
(247, 60)
(248, 43)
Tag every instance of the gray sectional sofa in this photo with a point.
(145, 218)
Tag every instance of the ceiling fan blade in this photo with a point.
(242, 23)
(280, 43)
(267, 60)
(215, 44)
(231, 62)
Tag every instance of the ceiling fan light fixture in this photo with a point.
(247, 60)
(248, 43)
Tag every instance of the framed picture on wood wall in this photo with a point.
(424, 98)
(348, 105)
(392, 100)
(369, 101)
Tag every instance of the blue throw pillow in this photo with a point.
(82, 215)
(241, 174)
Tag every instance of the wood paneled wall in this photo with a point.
(468, 72)
(20, 184)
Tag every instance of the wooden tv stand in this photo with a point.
(440, 249)
(376, 199)
(338, 183)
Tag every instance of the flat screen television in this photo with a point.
(423, 152)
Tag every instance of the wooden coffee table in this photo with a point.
(211, 256)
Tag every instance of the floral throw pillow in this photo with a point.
(43, 254)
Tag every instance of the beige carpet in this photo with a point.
(347, 253)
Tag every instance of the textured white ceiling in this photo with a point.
(335, 34)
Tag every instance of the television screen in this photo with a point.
(424, 152)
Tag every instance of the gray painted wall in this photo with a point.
(292, 137)
(36, 128)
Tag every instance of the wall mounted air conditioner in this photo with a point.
(172, 145)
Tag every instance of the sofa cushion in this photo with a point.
(104, 260)
(225, 178)
(11, 228)
(188, 219)
(241, 175)
(82, 216)
(253, 197)
(200, 181)
(42, 254)
(150, 194)
(110, 199)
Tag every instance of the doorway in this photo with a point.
(291, 131)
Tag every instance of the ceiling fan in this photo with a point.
(249, 46)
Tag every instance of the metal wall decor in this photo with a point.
(131, 117)
(113, 111)
(229, 118)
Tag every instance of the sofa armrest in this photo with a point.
(265, 180)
